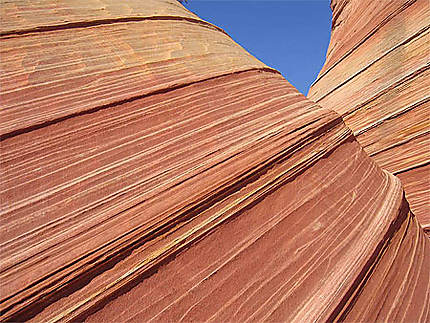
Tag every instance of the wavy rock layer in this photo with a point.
(377, 77)
(163, 173)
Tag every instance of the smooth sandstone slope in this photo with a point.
(154, 170)
(377, 77)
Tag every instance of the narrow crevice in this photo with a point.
(392, 116)
(392, 86)
(339, 85)
(108, 21)
(407, 169)
(399, 143)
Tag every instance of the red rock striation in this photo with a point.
(377, 77)
(154, 170)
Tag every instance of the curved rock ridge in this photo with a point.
(154, 170)
(42, 84)
(25, 16)
(377, 77)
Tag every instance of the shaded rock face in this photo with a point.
(154, 170)
(377, 77)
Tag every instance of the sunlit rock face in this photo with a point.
(154, 170)
(377, 77)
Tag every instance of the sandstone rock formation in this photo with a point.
(377, 77)
(154, 170)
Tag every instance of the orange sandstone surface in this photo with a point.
(153, 170)
(377, 77)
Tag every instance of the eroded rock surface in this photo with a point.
(154, 170)
(377, 77)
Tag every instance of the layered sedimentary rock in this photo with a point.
(377, 77)
(154, 170)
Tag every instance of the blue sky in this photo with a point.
(290, 36)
